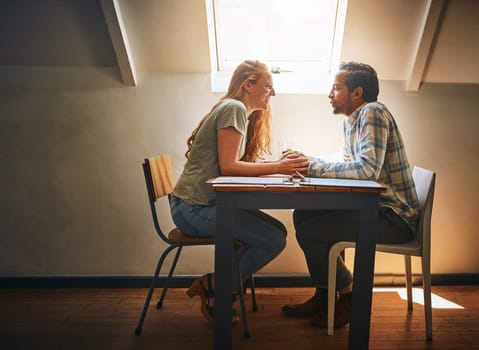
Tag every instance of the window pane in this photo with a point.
(292, 35)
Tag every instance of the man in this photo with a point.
(373, 150)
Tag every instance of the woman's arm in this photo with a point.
(229, 141)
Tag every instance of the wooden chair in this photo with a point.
(420, 246)
(159, 184)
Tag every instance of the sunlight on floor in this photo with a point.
(418, 297)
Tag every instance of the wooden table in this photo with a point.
(323, 194)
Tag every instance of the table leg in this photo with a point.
(225, 212)
(364, 274)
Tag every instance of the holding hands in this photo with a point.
(292, 162)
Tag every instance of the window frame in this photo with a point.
(284, 82)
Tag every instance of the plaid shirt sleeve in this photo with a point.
(364, 148)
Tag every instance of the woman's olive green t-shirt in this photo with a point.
(202, 163)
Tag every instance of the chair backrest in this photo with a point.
(161, 175)
(425, 181)
(159, 183)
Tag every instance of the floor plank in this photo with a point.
(94, 319)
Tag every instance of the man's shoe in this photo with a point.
(342, 313)
(306, 310)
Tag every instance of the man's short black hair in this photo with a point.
(363, 75)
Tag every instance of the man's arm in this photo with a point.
(368, 148)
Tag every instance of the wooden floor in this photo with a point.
(106, 318)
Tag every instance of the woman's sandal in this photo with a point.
(197, 288)
(206, 295)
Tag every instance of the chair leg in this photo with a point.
(407, 263)
(334, 252)
(139, 327)
(426, 283)
(159, 305)
(246, 332)
(253, 293)
(333, 256)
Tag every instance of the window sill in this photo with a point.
(284, 83)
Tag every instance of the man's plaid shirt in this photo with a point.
(373, 150)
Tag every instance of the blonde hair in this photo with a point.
(258, 137)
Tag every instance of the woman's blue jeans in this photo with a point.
(264, 236)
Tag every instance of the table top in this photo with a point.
(281, 184)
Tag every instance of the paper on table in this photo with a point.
(341, 182)
(250, 180)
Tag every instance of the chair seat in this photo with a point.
(177, 236)
(409, 248)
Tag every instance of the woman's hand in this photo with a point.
(291, 154)
(290, 162)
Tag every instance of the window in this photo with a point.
(299, 40)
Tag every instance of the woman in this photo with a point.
(230, 140)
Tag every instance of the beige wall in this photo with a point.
(72, 140)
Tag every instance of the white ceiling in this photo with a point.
(171, 36)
